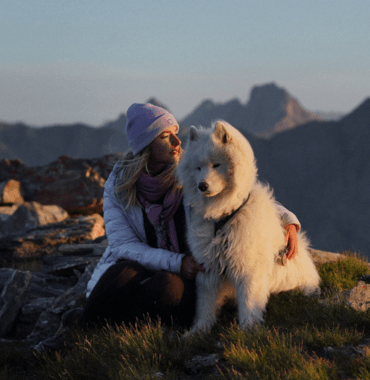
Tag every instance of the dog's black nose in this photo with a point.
(203, 186)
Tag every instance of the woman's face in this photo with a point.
(164, 149)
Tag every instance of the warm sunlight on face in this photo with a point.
(164, 150)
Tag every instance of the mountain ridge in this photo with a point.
(269, 110)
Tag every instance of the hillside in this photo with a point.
(269, 110)
(39, 146)
(321, 171)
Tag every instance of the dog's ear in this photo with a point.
(193, 133)
(221, 132)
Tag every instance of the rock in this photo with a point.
(84, 249)
(65, 266)
(76, 249)
(42, 291)
(99, 249)
(321, 257)
(77, 185)
(37, 306)
(30, 215)
(12, 299)
(48, 285)
(7, 211)
(27, 318)
(37, 291)
(10, 192)
(359, 296)
(47, 325)
(49, 296)
(45, 240)
(73, 297)
(200, 363)
(5, 274)
(96, 222)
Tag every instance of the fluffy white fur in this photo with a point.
(241, 260)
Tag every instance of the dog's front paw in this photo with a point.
(196, 329)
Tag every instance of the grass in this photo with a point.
(343, 274)
(302, 338)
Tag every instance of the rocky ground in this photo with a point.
(51, 222)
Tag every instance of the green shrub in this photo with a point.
(343, 274)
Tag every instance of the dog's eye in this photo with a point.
(216, 165)
(198, 168)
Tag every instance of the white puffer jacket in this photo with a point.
(127, 239)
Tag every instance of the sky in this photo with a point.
(87, 61)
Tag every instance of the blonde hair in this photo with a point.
(130, 167)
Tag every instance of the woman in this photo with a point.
(147, 267)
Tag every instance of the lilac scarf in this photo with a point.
(160, 206)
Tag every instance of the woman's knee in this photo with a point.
(128, 271)
(118, 275)
(171, 286)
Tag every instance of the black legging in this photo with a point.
(127, 291)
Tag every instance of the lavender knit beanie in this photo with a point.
(144, 123)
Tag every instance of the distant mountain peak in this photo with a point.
(268, 90)
(157, 103)
(270, 109)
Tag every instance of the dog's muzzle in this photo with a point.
(203, 186)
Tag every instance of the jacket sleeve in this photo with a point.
(125, 242)
(287, 217)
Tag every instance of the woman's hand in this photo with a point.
(190, 268)
(291, 241)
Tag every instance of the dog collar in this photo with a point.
(223, 221)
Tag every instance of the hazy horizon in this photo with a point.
(88, 61)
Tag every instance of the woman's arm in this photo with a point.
(292, 226)
(287, 217)
(126, 243)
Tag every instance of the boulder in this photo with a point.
(37, 306)
(67, 266)
(7, 211)
(10, 192)
(77, 185)
(321, 257)
(12, 298)
(203, 363)
(51, 296)
(45, 240)
(5, 274)
(74, 296)
(28, 216)
(359, 296)
(47, 325)
(84, 249)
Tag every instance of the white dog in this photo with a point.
(235, 230)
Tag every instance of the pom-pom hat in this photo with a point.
(144, 123)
